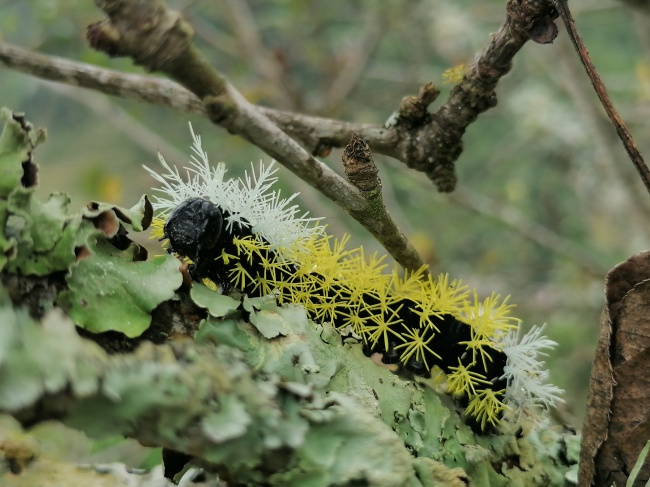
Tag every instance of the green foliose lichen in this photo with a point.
(107, 289)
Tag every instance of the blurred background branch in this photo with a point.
(251, 47)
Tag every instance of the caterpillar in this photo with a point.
(241, 234)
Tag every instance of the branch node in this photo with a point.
(428, 93)
(532, 19)
(444, 177)
(413, 109)
(543, 31)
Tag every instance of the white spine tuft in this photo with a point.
(528, 388)
(250, 201)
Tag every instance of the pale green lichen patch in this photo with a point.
(108, 291)
(207, 400)
(218, 305)
(46, 235)
(220, 427)
(138, 217)
(426, 421)
(17, 141)
(49, 237)
(272, 321)
(33, 361)
(46, 220)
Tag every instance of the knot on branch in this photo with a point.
(413, 109)
(360, 166)
(533, 19)
(154, 36)
(444, 177)
(433, 151)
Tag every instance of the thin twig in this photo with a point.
(601, 91)
(316, 133)
(604, 139)
(148, 89)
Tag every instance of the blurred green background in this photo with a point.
(547, 202)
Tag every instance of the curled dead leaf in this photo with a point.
(617, 424)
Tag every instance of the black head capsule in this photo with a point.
(193, 228)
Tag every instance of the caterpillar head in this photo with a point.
(193, 228)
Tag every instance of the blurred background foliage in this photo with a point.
(547, 200)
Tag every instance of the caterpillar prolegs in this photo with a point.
(240, 234)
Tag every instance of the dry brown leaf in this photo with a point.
(617, 424)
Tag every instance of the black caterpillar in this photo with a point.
(239, 234)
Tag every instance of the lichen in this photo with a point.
(106, 289)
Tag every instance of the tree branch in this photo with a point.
(618, 123)
(148, 89)
(434, 143)
(316, 133)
